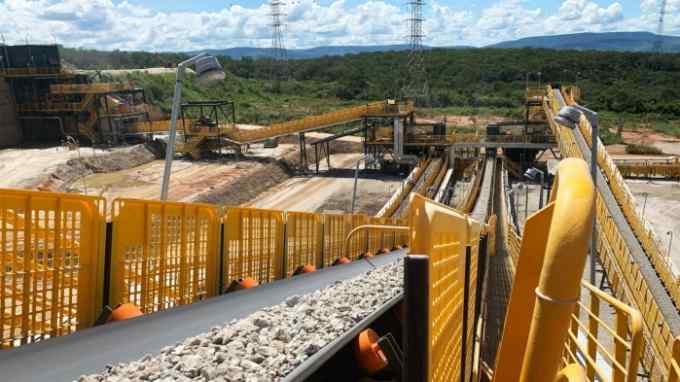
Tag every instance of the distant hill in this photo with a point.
(615, 41)
(297, 54)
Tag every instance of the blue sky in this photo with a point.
(157, 25)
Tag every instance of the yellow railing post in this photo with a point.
(560, 282)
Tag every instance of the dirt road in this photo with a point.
(662, 210)
(329, 193)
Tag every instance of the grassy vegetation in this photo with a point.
(642, 150)
(255, 102)
(630, 90)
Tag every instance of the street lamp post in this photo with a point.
(356, 180)
(670, 242)
(208, 70)
(570, 117)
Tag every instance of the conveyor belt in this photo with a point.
(654, 284)
(481, 209)
(89, 351)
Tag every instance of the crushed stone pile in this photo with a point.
(269, 344)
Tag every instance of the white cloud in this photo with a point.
(104, 24)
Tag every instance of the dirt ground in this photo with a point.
(188, 180)
(330, 193)
(662, 210)
(134, 172)
(55, 168)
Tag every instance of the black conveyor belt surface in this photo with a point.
(89, 351)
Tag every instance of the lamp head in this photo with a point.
(531, 173)
(568, 116)
(208, 70)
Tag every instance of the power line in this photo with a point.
(417, 87)
(279, 55)
(658, 42)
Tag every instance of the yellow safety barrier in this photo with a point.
(402, 237)
(51, 264)
(590, 332)
(674, 375)
(628, 283)
(359, 244)
(253, 245)
(513, 243)
(303, 241)
(547, 279)
(335, 230)
(376, 240)
(163, 254)
(448, 239)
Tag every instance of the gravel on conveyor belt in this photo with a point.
(270, 343)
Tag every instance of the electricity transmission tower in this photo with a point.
(658, 42)
(279, 56)
(416, 86)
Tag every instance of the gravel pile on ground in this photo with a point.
(269, 344)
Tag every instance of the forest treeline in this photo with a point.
(634, 83)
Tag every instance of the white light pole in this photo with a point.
(208, 70)
(367, 161)
(644, 204)
(570, 117)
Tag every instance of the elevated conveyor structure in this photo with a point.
(634, 268)
(425, 180)
(650, 169)
(243, 135)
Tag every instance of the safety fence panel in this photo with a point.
(163, 254)
(674, 375)
(389, 239)
(446, 238)
(253, 245)
(628, 284)
(513, 242)
(402, 238)
(471, 273)
(375, 238)
(608, 351)
(51, 264)
(359, 243)
(303, 241)
(336, 227)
